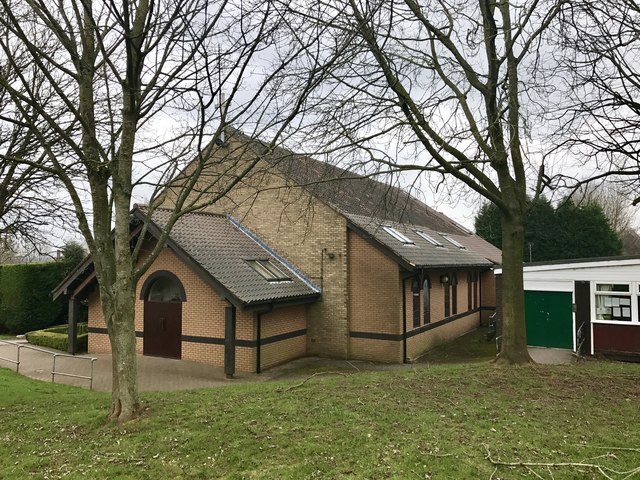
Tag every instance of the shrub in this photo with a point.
(56, 337)
(43, 338)
(25, 304)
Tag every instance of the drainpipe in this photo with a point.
(322, 252)
(72, 329)
(480, 295)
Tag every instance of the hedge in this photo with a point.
(56, 337)
(25, 304)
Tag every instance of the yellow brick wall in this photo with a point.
(375, 350)
(488, 282)
(420, 343)
(202, 315)
(308, 232)
(305, 231)
(278, 322)
(375, 305)
(98, 343)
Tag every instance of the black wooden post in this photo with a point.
(72, 338)
(583, 317)
(230, 341)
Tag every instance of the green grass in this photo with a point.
(428, 423)
(7, 337)
(472, 347)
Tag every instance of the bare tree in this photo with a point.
(30, 204)
(446, 88)
(599, 118)
(142, 80)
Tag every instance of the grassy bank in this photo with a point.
(435, 422)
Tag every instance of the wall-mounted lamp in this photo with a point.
(444, 278)
(331, 255)
(415, 286)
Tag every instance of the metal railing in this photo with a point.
(580, 339)
(54, 372)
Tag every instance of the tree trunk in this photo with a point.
(514, 333)
(119, 309)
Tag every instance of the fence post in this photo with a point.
(91, 380)
(18, 359)
(53, 372)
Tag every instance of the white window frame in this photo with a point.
(401, 237)
(268, 270)
(428, 238)
(453, 241)
(633, 294)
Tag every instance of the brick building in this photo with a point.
(386, 277)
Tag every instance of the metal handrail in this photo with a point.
(17, 360)
(580, 338)
(55, 356)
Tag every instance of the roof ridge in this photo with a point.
(401, 195)
(192, 212)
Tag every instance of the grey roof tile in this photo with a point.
(221, 245)
(421, 254)
(368, 202)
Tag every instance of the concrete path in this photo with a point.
(154, 374)
(162, 374)
(552, 356)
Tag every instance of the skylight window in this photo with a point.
(428, 238)
(268, 270)
(397, 235)
(452, 241)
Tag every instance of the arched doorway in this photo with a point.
(163, 295)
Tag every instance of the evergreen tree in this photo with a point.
(72, 254)
(569, 231)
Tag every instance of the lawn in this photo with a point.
(476, 346)
(436, 422)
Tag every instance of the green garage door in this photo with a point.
(549, 319)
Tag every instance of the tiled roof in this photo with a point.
(369, 203)
(221, 246)
(349, 192)
(421, 253)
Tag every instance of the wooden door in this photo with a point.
(549, 319)
(163, 329)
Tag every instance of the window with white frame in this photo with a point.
(268, 270)
(613, 302)
(428, 238)
(397, 235)
(452, 241)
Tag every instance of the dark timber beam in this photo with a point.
(72, 342)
